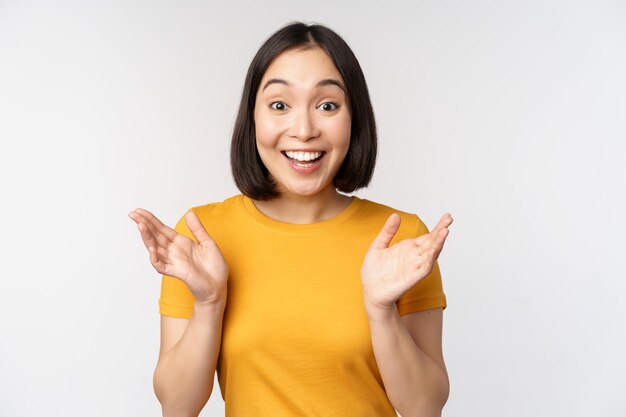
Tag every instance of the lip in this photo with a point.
(303, 150)
(305, 170)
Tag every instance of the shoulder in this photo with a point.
(228, 206)
(411, 225)
(214, 213)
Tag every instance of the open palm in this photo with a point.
(388, 272)
(200, 264)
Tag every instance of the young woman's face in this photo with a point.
(303, 121)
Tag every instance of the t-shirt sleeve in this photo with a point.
(176, 299)
(428, 292)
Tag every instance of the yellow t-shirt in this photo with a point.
(296, 339)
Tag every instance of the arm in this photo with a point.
(407, 350)
(410, 361)
(183, 379)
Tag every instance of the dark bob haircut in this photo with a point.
(250, 174)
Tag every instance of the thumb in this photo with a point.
(196, 227)
(387, 233)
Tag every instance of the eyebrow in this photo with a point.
(322, 83)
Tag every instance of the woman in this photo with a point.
(307, 302)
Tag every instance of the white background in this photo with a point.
(510, 115)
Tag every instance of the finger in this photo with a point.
(440, 239)
(163, 234)
(162, 254)
(157, 225)
(155, 261)
(147, 236)
(159, 237)
(196, 228)
(433, 241)
(389, 230)
(133, 215)
(434, 245)
(445, 221)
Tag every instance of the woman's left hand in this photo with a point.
(388, 272)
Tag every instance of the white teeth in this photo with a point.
(303, 156)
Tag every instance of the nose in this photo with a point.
(304, 126)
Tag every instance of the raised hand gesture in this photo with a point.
(388, 272)
(199, 264)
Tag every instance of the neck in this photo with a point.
(305, 209)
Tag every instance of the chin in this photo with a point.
(305, 191)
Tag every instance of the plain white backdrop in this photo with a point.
(510, 115)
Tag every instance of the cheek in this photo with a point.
(344, 129)
(337, 127)
(261, 133)
(267, 131)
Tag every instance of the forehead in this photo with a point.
(302, 66)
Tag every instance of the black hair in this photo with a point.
(250, 174)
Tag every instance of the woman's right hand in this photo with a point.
(199, 264)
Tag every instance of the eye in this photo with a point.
(329, 106)
(278, 105)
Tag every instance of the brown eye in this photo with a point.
(328, 106)
(278, 105)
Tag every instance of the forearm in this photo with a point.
(415, 384)
(183, 379)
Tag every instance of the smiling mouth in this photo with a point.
(301, 157)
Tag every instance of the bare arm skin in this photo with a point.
(413, 370)
(183, 378)
(408, 349)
